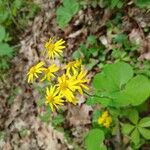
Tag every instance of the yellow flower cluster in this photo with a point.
(105, 119)
(70, 79)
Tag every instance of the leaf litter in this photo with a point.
(22, 129)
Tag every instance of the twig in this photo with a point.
(118, 137)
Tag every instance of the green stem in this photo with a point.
(102, 96)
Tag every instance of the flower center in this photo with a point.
(71, 64)
(50, 98)
(48, 70)
(51, 47)
(64, 85)
(33, 70)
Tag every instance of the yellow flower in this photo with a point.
(82, 80)
(108, 122)
(72, 67)
(49, 72)
(53, 98)
(105, 114)
(54, 48)
(105, 119)
(67, 86)
(34, 71)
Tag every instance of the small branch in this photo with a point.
(118, 141)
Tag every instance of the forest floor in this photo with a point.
(20, 125)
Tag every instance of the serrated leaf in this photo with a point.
(5, 50)
(46, 116)
(91, 64)
(71, 5)
(91, 39)
(144, 132)
(58, 120)
(63, 17)
(120, 38)
(139, 89)
(94, 140)
(134, 116)
(144, 122)
(135, 136)
(66, 12)
(76, 54)
(127, 128)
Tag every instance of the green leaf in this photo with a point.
(102, 82)
(103, 147)
(120, 4)
(85, 52)
(127, 128)
(91, 100)
(120, 73)
(46, 116)
(4, 14)
(143, 3)
(144, 132)
(65, 13)
(76, 54)
(94, 51)
(58, 120)
(40, 102)
(2, 135)
(120, 99)
(95, 117)
(135, 136)
(139, 89)
(114, 3)
(91, 63)
(134, 116)
(110, 84)
(23, 132)
(95, 100)
(2, 33)
(63, 17)
(18, 3)
(120, 38)
(91, 39)
(144, 122)
(5, 50)
(4, 63)
(94, 140)
(117, 86)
